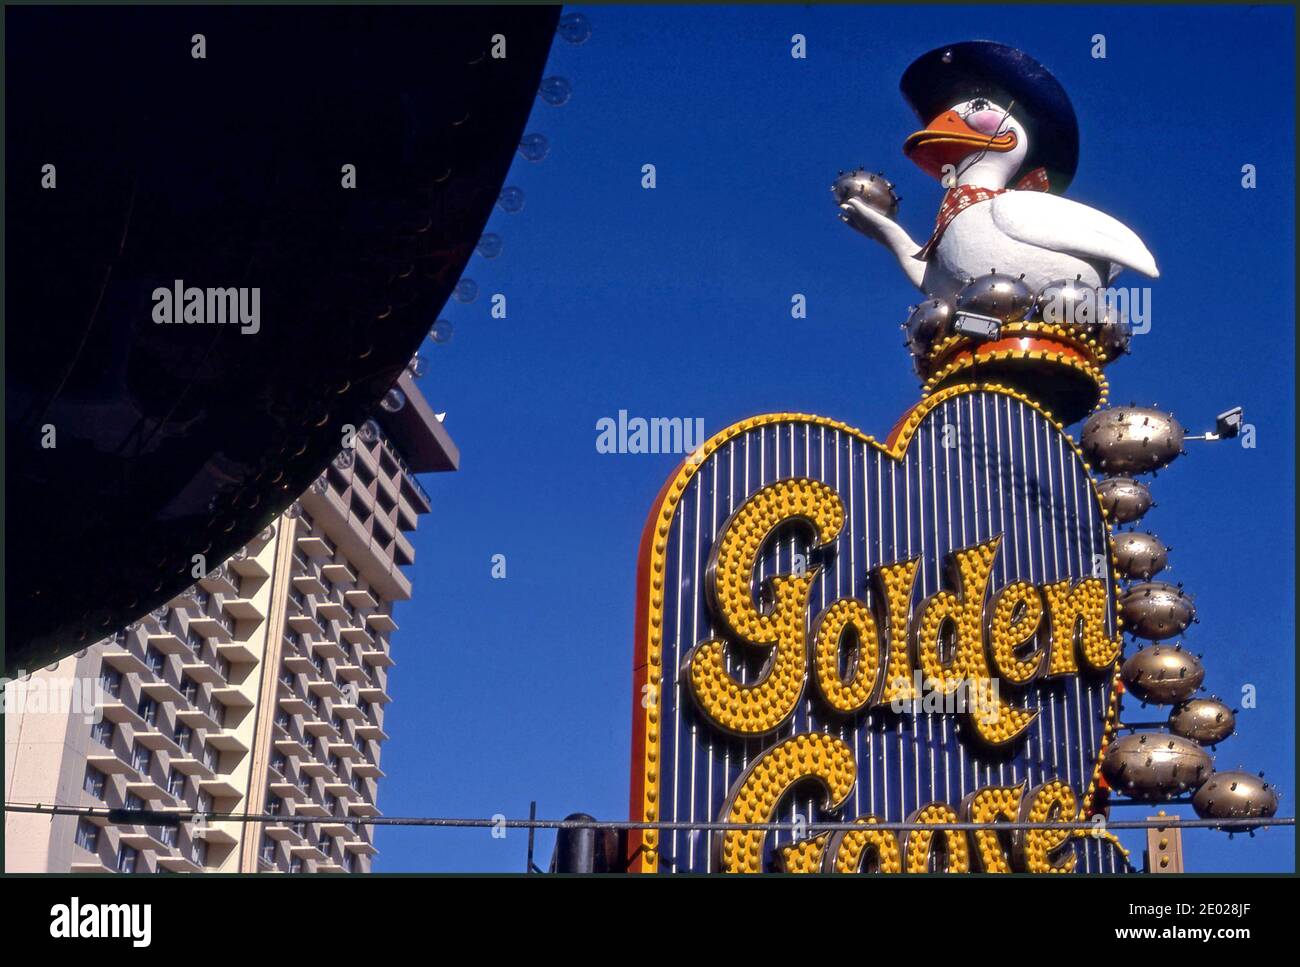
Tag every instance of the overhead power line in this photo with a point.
(136, 817)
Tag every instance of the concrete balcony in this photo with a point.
(362, 807)
(215, 835)
(282, 832)
(161, 692)
(307, 851)
(356, 635)
(331, 609)
(237, 652)
(245, 609)
(287, 790)
(368, 770)
(377, 656)
(360, 598)
(149, 791)
(298, 664)
(89, 866)
(381, 621)
(167, 642)
(218, 580)
(375, 694)
(303, 624)
(294, 704)
(350, 672)
(315, 768)
(339, 573)
(115, 710)
(250, 567)
(178, 863)
(325, 687)
(315, 546)
(158, 742)
(370, 731)
(329, 648)
(190, 766)
(226, 741)
(309, 582)
(201, 672)
(197, 718)
(347, 710)
(210, 627)
(291, 746)
(232, 697)
(319, 727)
(125, 661)
(220, 787)
(109, 764)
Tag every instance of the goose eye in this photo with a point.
(979, 104)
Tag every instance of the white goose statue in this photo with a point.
(1002, 135)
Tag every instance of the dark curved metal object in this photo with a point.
(175, 440)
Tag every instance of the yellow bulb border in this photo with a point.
(648, 857)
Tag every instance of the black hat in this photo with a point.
(958, 72)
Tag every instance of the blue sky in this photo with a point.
(675, 302)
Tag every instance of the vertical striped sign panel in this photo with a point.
(974, 464)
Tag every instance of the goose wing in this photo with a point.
(1061, 225)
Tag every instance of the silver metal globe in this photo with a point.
(1162, 674)
(1068, 302)
(873, 189)
(1124, 498)
(1002, 296)
(1151, 766)
(1131, 439)
(1112, 333)
(1235, 795)
(1156, 611)
(929, 322)
(1140, 555)
(1204, 720)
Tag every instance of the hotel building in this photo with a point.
(259, 690)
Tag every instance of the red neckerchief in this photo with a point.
(961, 197)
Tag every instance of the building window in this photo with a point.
(126, 859)
(155, 659)
(211, 757)
(148, 710)
(295, 865)
(199, 852)
(184, 735)
(176, 783)
(268, 849)
(282, 719)
(348, 862)
(274, 804)
(190, 689)
(133, 801)
(87, 835)
(167, 835)
(142, 759)
(102, 732)
(94, 782)
(110, 679)
(277, 762)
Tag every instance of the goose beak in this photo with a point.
(947, 140)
